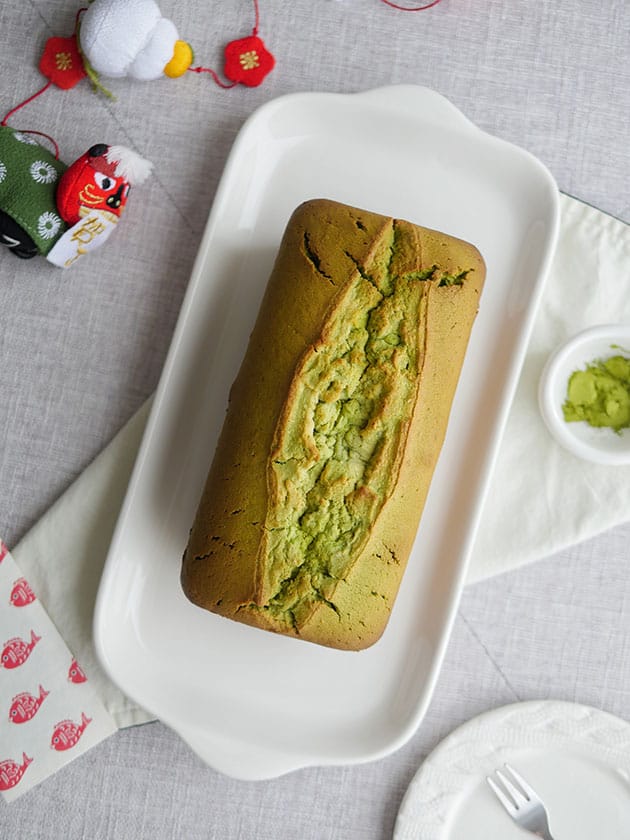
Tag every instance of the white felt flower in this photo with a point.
(43, 172)
(3, 171)
(25, 138)
(48, 224)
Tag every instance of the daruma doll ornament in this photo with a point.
(62, 212)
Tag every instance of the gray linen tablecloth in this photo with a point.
(80, 351)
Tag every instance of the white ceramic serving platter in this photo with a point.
(575, 757)
(252, 704)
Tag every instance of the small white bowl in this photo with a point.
(602, 446)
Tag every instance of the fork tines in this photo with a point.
(513, 791)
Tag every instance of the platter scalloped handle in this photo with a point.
(246, 762)
(415, 99)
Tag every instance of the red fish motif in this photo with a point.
(25, 706)
(3, 551)
(17, 651)
(11, 772)
(75, 673)
(22, 594)
(66, 733)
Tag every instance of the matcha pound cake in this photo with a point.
(334, 426)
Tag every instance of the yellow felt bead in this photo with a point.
(181, 61)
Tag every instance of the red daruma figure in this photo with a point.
(59, 211)
(99, 180)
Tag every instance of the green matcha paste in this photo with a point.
(600, 394)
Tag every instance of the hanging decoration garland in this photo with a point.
(117, 38)
(130, 38)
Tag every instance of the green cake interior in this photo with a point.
(339, 439)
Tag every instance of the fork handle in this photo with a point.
(546, 835)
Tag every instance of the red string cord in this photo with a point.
(47, 136)
(411, 8)
(31, 131)
(213, 73)
(26, 101)
(224, 85)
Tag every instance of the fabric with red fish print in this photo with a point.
(46, 701)
(25, 706)
(22, 594)
(17, 651)
(75, 673)
(67, 733)
(11, 772)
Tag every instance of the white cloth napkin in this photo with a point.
(541, 499)
(63, 556)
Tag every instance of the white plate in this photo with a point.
(602, 446)
(253, 704)
(575, 757)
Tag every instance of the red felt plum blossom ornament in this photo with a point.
(61, 62)
(247, 61)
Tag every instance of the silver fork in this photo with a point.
(521, 801)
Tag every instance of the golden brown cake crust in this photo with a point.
(328, 251)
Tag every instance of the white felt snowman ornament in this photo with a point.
(131, 38)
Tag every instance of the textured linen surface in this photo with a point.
(81, 351)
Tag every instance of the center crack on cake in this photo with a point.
(334, 426)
